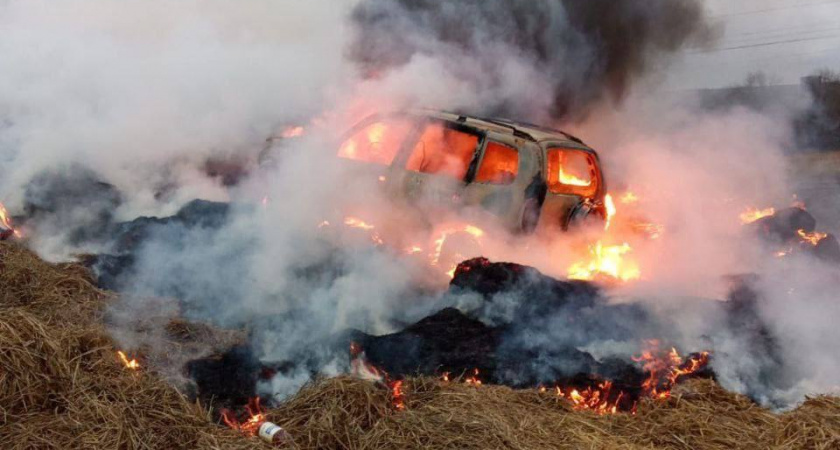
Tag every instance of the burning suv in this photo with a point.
(529, 177)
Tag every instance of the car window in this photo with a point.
(443, 150)
(499, 165)
(378, 142)
(572, 171)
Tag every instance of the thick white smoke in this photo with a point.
(144, 93)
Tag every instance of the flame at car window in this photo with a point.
(571, 171)
(443, 150)
(499, 166)
(377, 143)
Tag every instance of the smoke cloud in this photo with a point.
(529, 59)
(122, 105)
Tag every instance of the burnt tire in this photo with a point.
(581, 215)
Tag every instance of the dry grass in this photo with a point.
(62, 387)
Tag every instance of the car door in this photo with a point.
(498, 184)
(434, 168)
(574, 180)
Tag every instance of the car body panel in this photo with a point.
(509, 199)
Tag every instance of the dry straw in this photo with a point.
(62, 387)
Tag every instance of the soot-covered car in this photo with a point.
(527, 175)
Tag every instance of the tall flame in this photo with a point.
(609, 206)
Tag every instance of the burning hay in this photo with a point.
(63, 385)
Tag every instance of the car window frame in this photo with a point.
(409, 137)
(411, 141)
(583, 191)
(483, 152)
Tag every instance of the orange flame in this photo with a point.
(596, 400)
(571, 180)
(753, 214)
(812, 238)
(666, 368)
(397, 395)
(473, 380)
(606, 260)
(129, 363)
(362, 369)
(355, 222)
(6, 221)
(609, 206)
(250, 427)
(446, 233)
(292, 132)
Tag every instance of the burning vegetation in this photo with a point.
(64, 388)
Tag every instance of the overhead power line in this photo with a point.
(777, 8)
(767, 44)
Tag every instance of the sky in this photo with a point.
(785, 39)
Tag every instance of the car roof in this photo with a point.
(536, 133)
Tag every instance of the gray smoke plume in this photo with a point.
(106, 104)
(581, 52)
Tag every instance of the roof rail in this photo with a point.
(516, 131)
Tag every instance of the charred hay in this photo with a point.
(62, 387)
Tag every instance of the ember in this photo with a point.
(473, 380)
(354, 222)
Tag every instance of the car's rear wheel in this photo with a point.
(583, 214)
